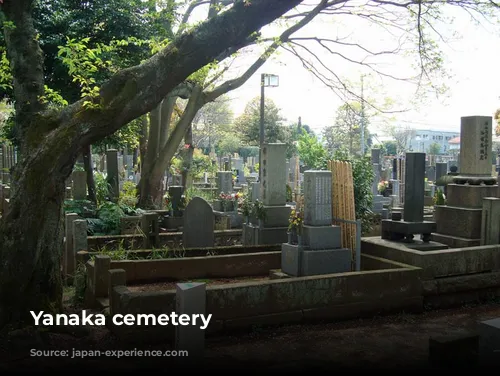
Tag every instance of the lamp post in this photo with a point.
(266, 80)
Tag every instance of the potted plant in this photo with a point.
(439, 197)
(228, 201)
(382, 187)
(260, 212)
(295, 227)
(246, 208)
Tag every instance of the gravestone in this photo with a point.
(321, 251)
(475, 151)
(113, 176)
(395, 169)
(413, 211)
(441, 169)
(272, 229)
(255, 187)
(79, 186)
(175, 192)
(459, 221)
(79, 242)
(69, 255)
(376, 155)
(199, 223)
(224, 182)
(431, 173)
(318, 206)
(273, 187)
(190, 299)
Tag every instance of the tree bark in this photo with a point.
(31, 232)
(143, 142)
(186, 175)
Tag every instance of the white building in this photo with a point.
(422, 139)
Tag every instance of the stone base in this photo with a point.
(469, 196)
(404, 231)
(249, 234)
(236, 219)
(328, 261)
(277, 216)
(254, 235)
(298, 261)
(172, 223)
(457, 221)
(475, 180)
(321, 237)
(291, 258)
(419, 245)
(454, 241)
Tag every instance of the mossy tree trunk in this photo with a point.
(49, 141)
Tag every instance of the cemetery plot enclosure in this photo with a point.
(382, 286)
(450, 276)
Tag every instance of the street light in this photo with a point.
(266, 80)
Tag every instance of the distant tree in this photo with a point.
(347, 129)
(389, 147)
(229, 143)
(211, 122)
(434, 149)
(312, 153)
(248, 124)
(402, 136)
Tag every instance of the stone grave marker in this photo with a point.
(113, 176)
(199, 223)
(79, 186)
(224, 182)
(190, 299)
(321, 251)
(69, 255)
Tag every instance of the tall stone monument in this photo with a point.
(321, 251)
(273, 229)
(413, 212)
(459, 221)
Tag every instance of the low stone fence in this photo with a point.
(395, 288)
(179, 269)
(450, 277)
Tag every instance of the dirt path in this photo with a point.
(391, 342)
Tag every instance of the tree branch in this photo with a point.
(137, 90)
(236, 83)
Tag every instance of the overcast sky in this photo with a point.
(472, 58)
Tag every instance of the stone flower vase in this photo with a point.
(292, 236)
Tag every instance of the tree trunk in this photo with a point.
(152, 175)
(143, 142)
(31, 233)
(87, 164)
(188, 140)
